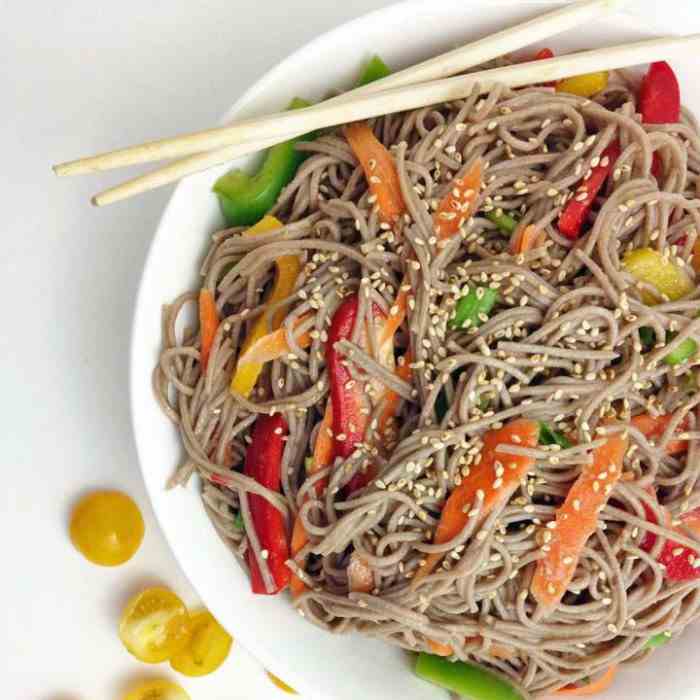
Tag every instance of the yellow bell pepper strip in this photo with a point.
(585, 85)
(208, 324)
(575, 521)
(274, 345)
(288, 269)
(380, 170)
(244, 199)
(650, 266)
(496, 476)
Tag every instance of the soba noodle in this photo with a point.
(562, 346)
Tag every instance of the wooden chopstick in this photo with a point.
(394, 100)
(460, 59)
(445, 65)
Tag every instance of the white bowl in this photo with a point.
(318, 664)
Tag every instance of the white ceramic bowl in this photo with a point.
(317, 664)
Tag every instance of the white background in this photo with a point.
(78, 77)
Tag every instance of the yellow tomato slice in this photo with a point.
(106, 527)
(155, 625)
(156, 690)
(650, 266)
(281, 684)
(207, 648)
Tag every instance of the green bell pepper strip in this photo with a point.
(375, 69)
(464, 679)
(238, 522)
(549, 436)
(244, 198)
(683, 352)
(471, 307)
(505, 222)
(658, 640)
(647, 336)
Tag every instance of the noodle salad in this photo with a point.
(443, 390)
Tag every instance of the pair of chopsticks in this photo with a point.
(425, 84)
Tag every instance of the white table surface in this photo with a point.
(77, 77)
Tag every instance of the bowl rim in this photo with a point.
(258, 87)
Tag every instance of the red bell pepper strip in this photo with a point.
(660, 102)
(677, 558)
(542, 55)
(660, 96)
(574, 214)
(347, 395)
(263, 462)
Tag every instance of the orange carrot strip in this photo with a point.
(208, 324)
(380, 170)
(696, 255)
(576, 520)
(392, 399)
(497, 482)
(274, 345)
(394, 320)
(600, 684)
(653, 428)
(438, 648)
(360, 577)
(458, 204)
(498, 651)
(323, 453)
(524, 239)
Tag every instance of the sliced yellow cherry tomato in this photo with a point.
(157, 690)
(585, 85)
(155, 625)
(207, 649)
(281, 684)
(650, 266)
(106, 527)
